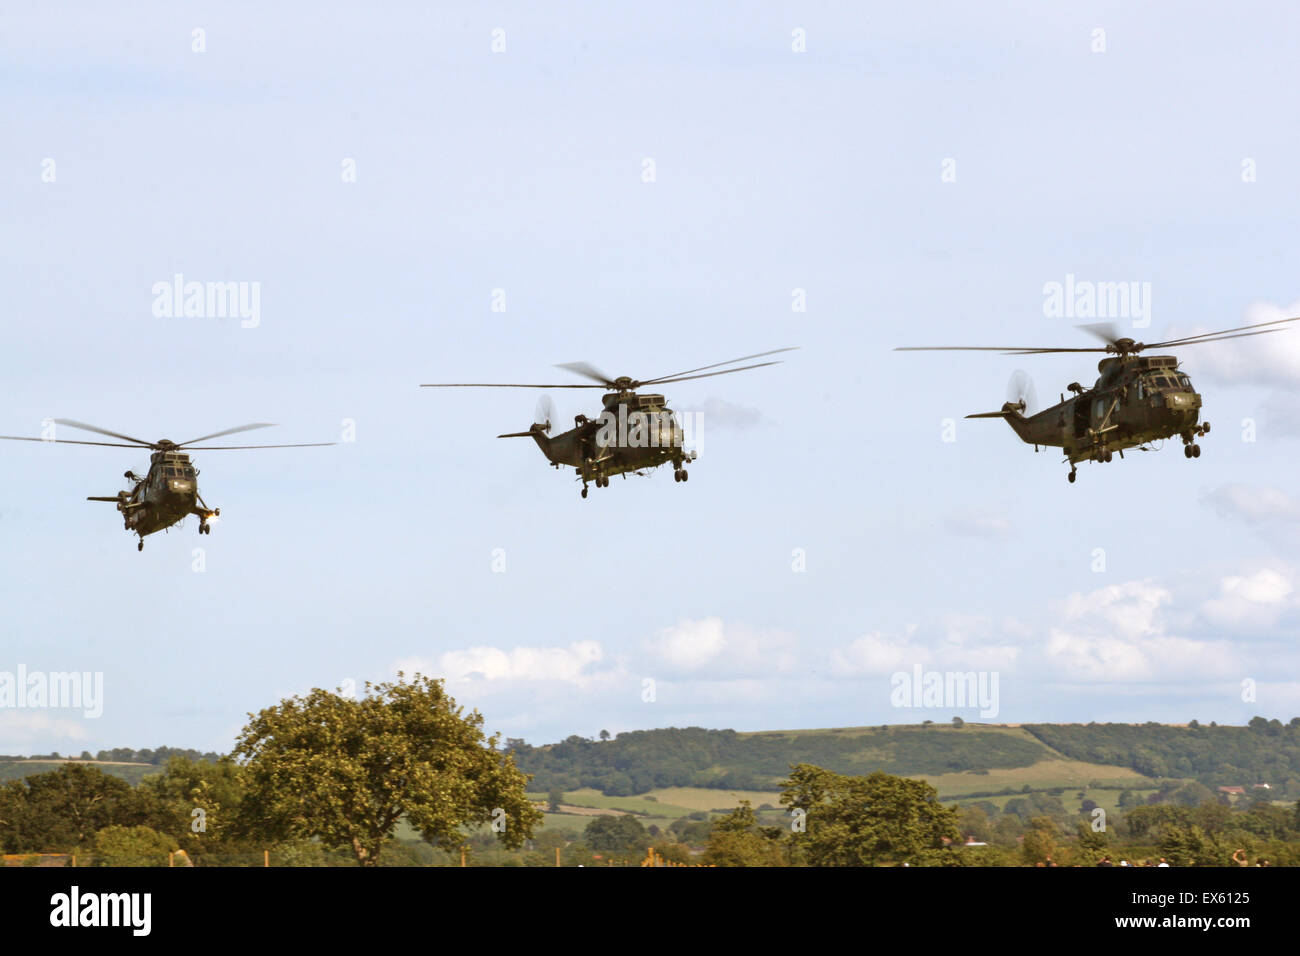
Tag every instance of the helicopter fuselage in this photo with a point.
(165, 496)
(633, 433)
(1136, 401)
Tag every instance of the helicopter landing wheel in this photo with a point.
(677, 474)
(1205, 428)
(1187, 451)
(584, 492)
(1106, 455)
(140, 545)
(1072, 475)
(686, 475)
(1196, 451)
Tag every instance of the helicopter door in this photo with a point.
(1080, 417)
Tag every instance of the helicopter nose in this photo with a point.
(180, 486)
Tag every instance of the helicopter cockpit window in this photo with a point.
(1184, 381)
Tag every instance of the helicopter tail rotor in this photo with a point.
(1021, 393)
(544, 416)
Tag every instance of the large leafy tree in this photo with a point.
(64, 808)
(616, 834)
(736, 839)
(862, 821)
(197, 803)
(344, 770)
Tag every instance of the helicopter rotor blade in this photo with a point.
(1020, 390)
(1108, 332)
(67, 441)
(587, 370)
(704, 368)
(727, 371)
(310, 444)
(1105, 331)
(228, 431)
(545, 414)
(1004, 349)
(1256, 329)
(100, 431)
(502, 385)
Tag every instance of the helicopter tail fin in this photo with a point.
(1013, 412)
(538, 434)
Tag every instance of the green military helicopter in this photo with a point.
(633, 433)
(1136, 401)
(169, 492)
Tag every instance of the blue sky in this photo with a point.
(522, 170)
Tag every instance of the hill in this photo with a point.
(968, 760)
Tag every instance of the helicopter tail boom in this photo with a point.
(1012, 413)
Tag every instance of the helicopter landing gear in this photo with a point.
(1072, 475)
(140, 545)
(204, 528)
(681, 474)
(584, 490)
(1192, 450)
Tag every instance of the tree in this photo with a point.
(1040, 840)
(132, 846)
(65, 807)
(346, 769)
(616, 834)
(958, 722)
(195, 802)
(737, 840)
(860, 821)
(604, 735)
(553, 801)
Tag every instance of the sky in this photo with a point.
(477, 192)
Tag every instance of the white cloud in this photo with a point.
(1251, 602)
(25, 727)
(710, 648)
(1272, 359)
(1254, 504)
(570, 664)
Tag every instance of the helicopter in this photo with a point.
(1138, 399)
(169, 492)
(634, 432)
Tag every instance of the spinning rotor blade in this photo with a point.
(100, 431)
(726, 371)
(1262, 327)
(1105, 331)
(502, 385)
(1020, 390)
(587, 370)
(704, 368)
(68, 441)
(310, 444)
(228, 431)
(545, 413)
(1108, 332)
